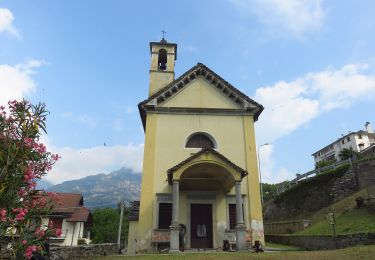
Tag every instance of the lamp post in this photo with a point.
(260, 174)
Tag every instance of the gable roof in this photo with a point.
(70, 205)
(67, 202)
(178, 84)
(204, 150)
(81, 214)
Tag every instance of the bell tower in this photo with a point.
(163, 56)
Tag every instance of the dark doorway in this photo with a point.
(201, 225)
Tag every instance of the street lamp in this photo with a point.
(260, 174)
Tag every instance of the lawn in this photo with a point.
(358, 252)
(353, 221)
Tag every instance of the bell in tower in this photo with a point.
(163, 56)
(162, 59)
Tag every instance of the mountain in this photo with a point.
(43, 184)
(103, 190)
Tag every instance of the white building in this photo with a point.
(72, 218)
(358, 141)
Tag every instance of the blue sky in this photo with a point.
(309, 62)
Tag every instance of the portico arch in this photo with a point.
(206, 170)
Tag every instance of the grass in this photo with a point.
(280, 246)
(358, 252)
(349, 219)
(343, 206)
(354, 221)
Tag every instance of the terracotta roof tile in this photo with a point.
(67, 202)
(80, 214)
(70, 205)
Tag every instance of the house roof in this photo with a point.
(80, 214)
(134, 211)
(67, 202)
(71, 206)
(180, 83)
(205, 150)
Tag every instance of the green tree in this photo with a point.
(347, 153)
(323, 163)
(269, 190)
(105, 226)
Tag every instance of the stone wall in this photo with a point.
(365, 173)
(343, 186)
(82, 252)
(306, 197)
(285, 227)
(323, 242)
(321, 191)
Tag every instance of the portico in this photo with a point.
(206, 170)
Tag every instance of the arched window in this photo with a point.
(200, 140)
(162, 59)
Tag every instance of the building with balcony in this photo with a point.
(358, 141)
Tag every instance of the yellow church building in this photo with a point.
(200, 164)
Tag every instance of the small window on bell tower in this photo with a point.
(162, 59)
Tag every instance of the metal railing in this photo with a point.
(313, 173)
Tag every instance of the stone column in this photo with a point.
(240, 228)
(175, 227)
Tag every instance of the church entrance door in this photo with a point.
(201, 225)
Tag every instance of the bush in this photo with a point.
(23, 161)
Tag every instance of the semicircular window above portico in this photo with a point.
(200, 140)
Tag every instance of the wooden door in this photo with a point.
(201, 226)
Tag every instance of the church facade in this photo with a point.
(200, 165)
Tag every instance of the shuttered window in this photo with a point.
(55, 223)
(233, 215)
(165, 215)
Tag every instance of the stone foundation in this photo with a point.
(323, 242)
(82, 252)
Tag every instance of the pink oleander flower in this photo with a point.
(24, 242)
(3, 215)
(21, 213)
(58, 232)
(55, 157)
(29, 251)
(40, 148)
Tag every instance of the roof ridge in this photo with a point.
(181, 80)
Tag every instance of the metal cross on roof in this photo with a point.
(163, 32)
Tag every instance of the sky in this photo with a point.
(310, 63)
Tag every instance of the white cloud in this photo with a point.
(296, 17)
(89, 121)
(290, 105)
(119, 125)
(270, 173)
(79, 163)
(84, 119)
(16, 81)
(6, 23)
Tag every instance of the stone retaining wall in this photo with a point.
(82, 252)
(285, 227)
(323, 242)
